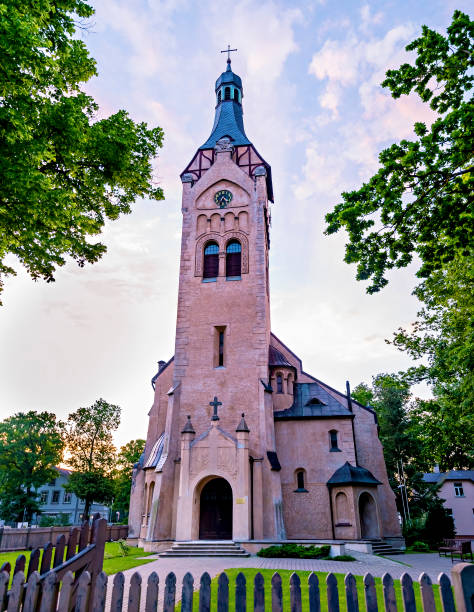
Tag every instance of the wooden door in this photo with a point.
(215, 519)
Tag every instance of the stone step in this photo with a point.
(205, 549)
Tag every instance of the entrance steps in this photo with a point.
(206, 548)
(379, 547)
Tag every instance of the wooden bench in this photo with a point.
(456, 547)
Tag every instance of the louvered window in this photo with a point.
(236, 95)
(227, 93)
(211, 261)
(219, 96)
(233, 259)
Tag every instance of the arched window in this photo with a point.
(219, 96)
(279, 380)
(300, 484)
(236, 95)
(233, 259)
(289, 384)
(211, 261)
(333, 441)
(227, 93)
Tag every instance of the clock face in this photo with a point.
(223, 198)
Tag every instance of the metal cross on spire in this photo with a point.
(228, 51)
(215, 403)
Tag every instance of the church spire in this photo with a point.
(228, 119)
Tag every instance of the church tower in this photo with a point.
(236, 424)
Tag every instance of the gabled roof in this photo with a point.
(311, 400)
(352, 475)
(276, 358)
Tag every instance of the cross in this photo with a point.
(215, 403)
(228, 51)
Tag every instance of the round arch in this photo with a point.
(215, 501)
(369, 524)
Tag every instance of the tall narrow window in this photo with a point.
(279, 383)
(221, 349)
(236, 95)
(333, 441)
(219, 96)
(300, 485)
(233, 260)
(211, 261)
(227, 93)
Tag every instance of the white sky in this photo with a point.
(313, 108)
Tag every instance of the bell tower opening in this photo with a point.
(215, 510)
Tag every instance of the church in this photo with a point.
(243, 444)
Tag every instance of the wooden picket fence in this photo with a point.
(80, 559)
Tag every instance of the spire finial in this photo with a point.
(228, 51)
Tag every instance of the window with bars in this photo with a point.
(233, 260)
(211, 261)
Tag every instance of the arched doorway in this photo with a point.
(215, 516)
(369, 527)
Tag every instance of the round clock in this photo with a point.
(223, 198)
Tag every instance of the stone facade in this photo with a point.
(296, 430)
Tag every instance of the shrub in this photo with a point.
(420, 546)
(295, 551)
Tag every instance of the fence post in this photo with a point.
(351, 593)
(446, 593)
(187, 593)
(117, 593)
(427, 596)
(259, 593)
(98, 538)
(277, 593)
(463, 583)
(332, 592)
(313, 588)
(295, 593)
(32, 592)
(134, 593)
(389, 593)
(151, 601)
(408, 594)
(170, 593)
(240, 593)
(370, 594)
(66, 592)
(16, 592)
(223, 593)
(205, 593)
(4, 580)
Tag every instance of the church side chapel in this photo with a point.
(242, 444)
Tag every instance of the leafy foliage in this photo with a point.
(63, 171)
(31, 444)
(127, 457)
(295, 551)
(421, 199)
(92, 452)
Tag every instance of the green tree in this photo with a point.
(421, 199)
(92, 454)
(62, 170)
(31, 444)
(127, 457)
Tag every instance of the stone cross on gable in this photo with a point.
(215, 403)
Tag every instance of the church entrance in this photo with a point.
(368, 517)
(215, 517)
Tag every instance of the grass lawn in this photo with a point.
(113, 562)
(285, 576)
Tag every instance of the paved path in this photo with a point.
(377, 566)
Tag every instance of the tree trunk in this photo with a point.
(87, 508)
